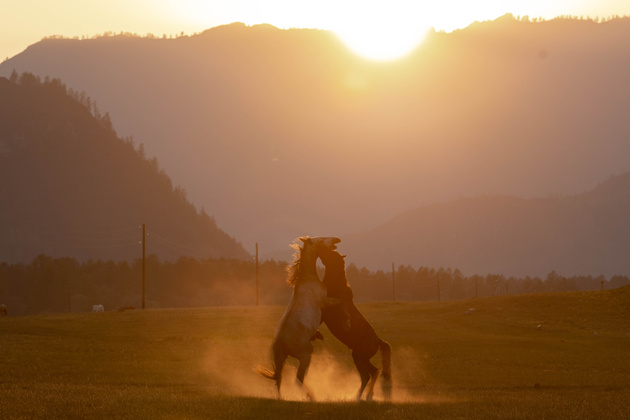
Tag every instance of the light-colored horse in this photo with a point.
(303, 315)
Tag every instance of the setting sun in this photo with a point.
(376, 30)
(383, 41)
(390, 30)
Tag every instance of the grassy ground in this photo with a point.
(539, 356)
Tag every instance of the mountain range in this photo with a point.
(583, 234)
(280, 133)
(70, 187)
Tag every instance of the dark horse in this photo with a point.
(350, 326)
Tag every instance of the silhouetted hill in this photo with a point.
(574, 235)
(70, 187)
(280, 133)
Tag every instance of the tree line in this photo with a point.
(430, 284)
(57, 285)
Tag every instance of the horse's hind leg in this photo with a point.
(362, 365)
(373, 371)
(305, 362)
(279, 357)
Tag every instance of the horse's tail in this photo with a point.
(263, 371)
(386, 372)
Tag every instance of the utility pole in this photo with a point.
(69, 297)
(393, 283)
(143, 261)
(256, 273)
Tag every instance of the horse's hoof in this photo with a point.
(317, 336)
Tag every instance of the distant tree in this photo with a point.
(55, 85)
(556, 283)
(106, 121)
(29, 80)
(494, 284)
(618, 281)
(476, 285)
(425, 282)
(457, 289)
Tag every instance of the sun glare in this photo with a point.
(382, 43)
(387, 30)
(381, 30)
(374, 29)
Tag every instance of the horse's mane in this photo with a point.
(294, 268)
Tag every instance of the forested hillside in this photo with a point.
(272, 129)
(70, 187)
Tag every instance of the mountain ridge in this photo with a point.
(70, 187)
(270, 130)
(582, 234)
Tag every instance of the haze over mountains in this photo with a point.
(280, 133)
(69, 187)
(584, 234)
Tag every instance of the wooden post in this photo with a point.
(438, 288)
(69, 298)
(602, 285)
(143, 262)
(476, 289)
(393, 283)
(256, 273)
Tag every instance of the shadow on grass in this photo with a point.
(252, 407)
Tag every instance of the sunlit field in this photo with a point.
(538, 356)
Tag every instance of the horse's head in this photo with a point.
(324, 242)
(326, 250)
(335, 263)
(312, 246)
(305, 257)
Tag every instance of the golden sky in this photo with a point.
(375, 29)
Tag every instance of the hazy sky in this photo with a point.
(374, 28)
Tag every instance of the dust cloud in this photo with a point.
(332, 377)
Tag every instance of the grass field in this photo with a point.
(492, 362)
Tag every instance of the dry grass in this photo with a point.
(492, 362)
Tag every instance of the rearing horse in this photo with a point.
(303, 315)
(350, 326)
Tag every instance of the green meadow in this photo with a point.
(545, 356)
